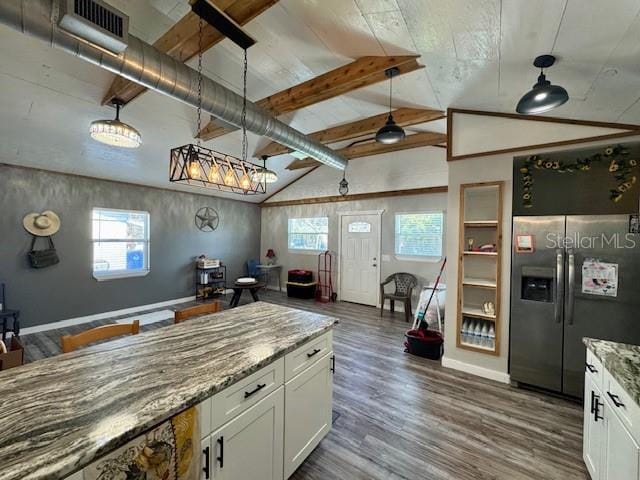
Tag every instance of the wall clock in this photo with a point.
(207, 219)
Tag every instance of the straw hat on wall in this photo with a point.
(41, 224)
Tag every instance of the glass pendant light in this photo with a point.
(343, 188)
(115, 132)
(214, 173)
(543, 96)
(391, 132)
(264, 174)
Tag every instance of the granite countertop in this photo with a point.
(62, 413)
(622, 361)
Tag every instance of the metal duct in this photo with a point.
(145, 65)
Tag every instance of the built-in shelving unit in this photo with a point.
(478, 328)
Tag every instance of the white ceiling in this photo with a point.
(477, 54)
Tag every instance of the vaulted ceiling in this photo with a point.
(477, 54)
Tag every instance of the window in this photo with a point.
(360, 227)
(120, 243)
(419, 234)
(309, 233)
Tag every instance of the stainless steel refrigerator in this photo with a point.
(553, 307)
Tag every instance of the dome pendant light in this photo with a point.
(391, 132)
(543, 96)
(115, 132)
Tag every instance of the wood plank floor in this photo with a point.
(402, 417)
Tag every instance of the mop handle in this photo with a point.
(433, 291)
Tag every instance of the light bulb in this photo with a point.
(194, 169)
(214, 173)
(245, 182)
(229, 178)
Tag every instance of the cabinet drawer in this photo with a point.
(235, 399)
(594, 370)
(626, 409)
(308, 354)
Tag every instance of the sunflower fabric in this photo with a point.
(170, 451)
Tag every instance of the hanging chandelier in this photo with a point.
(114, 132)
(196, 165)
(202, 167)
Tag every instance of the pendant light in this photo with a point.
(390, 132)
(264, 174)
(543, 96)
(343, 187)
(196, 165)
(115, 132)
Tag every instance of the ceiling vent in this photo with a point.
(96, 22)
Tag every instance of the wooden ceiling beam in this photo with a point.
(358, 74)
(182, 41)
(417, 140)
(404, 117)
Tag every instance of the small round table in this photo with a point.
(238, 288)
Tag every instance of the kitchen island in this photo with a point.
(63, 413)
(611, 440)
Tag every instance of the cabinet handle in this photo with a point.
(205, 469)
(315, 352)
(220, 459)
(615, 399)
(596, 413)
(591, 368)
(593, 401)
(255, 390)
(333, 364)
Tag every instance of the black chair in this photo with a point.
(6, 314)
(404, 285)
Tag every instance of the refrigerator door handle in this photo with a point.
(557, 307)
(571, 287)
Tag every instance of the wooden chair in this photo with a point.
(404, 283)
(72, 342)
(211, 307)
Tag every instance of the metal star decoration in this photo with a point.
(207, 219)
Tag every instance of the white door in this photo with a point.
(593, 432)
(249, 447)
(308, 414)
(621, 453)
(360, 259)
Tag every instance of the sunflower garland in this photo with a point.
(620, 167)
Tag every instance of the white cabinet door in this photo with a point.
(308, 398)
(621, 453)
(593, 433)
(249, 447)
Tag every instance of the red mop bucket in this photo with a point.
(424, 343)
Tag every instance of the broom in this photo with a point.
(417, 323)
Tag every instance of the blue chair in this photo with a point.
(252, 268)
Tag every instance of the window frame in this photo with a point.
(101, 277)
(419, 258)
(306, 251)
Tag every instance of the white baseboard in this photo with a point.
(101, 316)
(501, 377)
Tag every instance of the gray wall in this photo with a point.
(274, 233)
(68, 289)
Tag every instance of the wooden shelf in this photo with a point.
(482, 254)
(477, 313)
(479, 201)
(481, 224)
(479, 282)
(471, 346)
